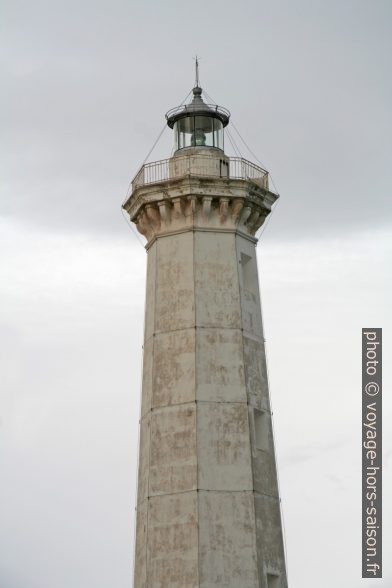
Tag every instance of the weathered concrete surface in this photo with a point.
(172, 558)
(149, 319)
(144, 459)
(174, 367)
(208, 511)
(141, 562)
(202, 161)
(256, 372)
(223, 446)
(174, 287)
(216, 280)
(227, 540)
(220, 373)
(173, 458)
(270, 552)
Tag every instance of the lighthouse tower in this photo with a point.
(208, 507)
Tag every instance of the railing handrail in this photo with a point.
(250, 163)
(158, 171)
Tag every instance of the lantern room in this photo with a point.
(198, 124)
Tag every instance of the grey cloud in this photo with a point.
(88, 84)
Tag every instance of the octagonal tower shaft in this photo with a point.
(208, 508)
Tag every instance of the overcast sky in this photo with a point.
(85, 88)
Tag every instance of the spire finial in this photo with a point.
(196, 72)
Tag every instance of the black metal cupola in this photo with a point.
(198, 124)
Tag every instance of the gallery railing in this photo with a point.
(198, 165)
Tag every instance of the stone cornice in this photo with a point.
(191, 202)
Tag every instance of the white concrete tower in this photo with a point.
(208, 508)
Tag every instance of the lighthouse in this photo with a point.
(208, 508)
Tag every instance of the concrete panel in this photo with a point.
(173, 460)
(250, 295)
(149, 318)
(140, 571)
(175, 283)
(173, 541)
(220, 367)
(269, 538)
(174, 367)
(216, 279)
(256, 373)
(223, 446)
(147, 376)
(263, 460)
(264, 473)
(227, 540)
(144, 459)
(203, 161)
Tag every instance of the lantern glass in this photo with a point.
(198, 131)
